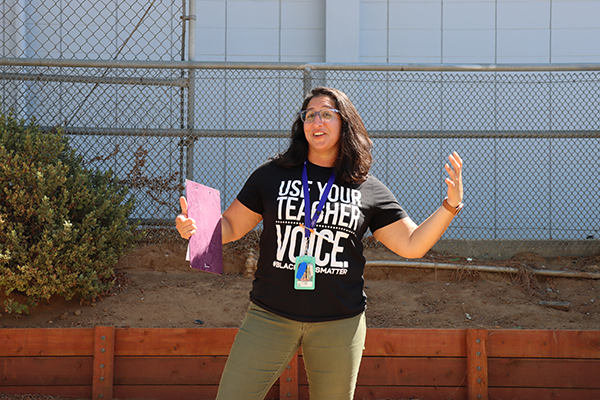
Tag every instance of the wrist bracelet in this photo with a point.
(453, 210)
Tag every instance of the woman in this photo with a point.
(308, 287)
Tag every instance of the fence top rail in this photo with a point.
(46, 62)
(284, 134)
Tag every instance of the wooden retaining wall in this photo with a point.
(179, 364)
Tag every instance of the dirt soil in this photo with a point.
(155, 287)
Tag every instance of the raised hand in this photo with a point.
(185, 226)
(454, 179)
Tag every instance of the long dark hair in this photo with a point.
(354, 156)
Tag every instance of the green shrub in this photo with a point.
(62, 227)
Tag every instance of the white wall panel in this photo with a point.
(373, 40)
(210, 43)
(469, 46)
(414, 60)
(373, 43)
(521, 60)
(575, 14)
(342, 31)
(302, 45)
(308, 14)
(523, 14)
(576, 59)
(469, 32)
(524, 43)
(252, 43)
(253, 14)
(400, 31)
(416, 15)
(253, 58)
(416, 43)
(576, 43)
(210, 14)
(469, 15)
(374, 16)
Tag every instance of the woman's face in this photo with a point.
(323, 136)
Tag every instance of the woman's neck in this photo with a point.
(327, 161)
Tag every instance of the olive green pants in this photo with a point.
(265, 344)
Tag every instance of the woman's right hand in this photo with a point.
(185, 226)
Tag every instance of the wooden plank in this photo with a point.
(104, 352)
(45, 371)
(164, 370)
(288, 381)
(544, 344)
(183, 357)
(477, 364)
(46, 342)
(411, 371)
(415, 342)
(64, 391)
(408, 392)
(540, 373)
(177, 392)
(408, 371)
(544, 394)
(175, 342)
(166, 392)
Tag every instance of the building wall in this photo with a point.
(399, 31)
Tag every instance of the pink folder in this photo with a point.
(206, 246)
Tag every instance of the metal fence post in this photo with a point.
(307, 79)
(191, 115)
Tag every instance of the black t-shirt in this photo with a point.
(277, 195)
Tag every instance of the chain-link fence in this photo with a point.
(93, 30)
(529, 139)
(528, 134)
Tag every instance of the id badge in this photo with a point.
(304, 273)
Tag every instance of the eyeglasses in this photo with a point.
(326, 115)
